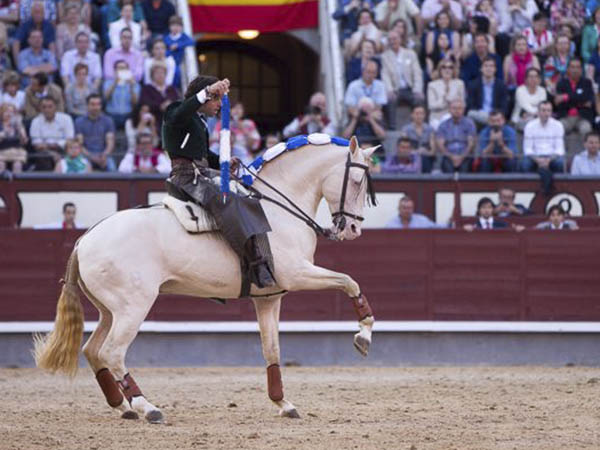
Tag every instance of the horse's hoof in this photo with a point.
(130, 415)
(361, 345)
(292, 414)
(155, 416)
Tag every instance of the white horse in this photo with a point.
(126, 260)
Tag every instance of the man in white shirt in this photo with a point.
(588, 161)
(388, 11)
(81, 54)
(49, 133)
(544, 146)
(145, 159)
(126, 21)
(407, 218)
(366, 86)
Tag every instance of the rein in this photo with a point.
(339, 217)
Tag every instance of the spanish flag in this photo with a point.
(231, 16)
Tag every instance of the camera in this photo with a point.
(495, 129)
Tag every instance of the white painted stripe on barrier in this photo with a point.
(389, 326)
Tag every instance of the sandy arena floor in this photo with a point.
(340, 408)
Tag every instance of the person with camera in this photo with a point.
(244, 134)
(366, 123)
(507, 206)
(497, 145)
(313, 120)
(121, 94)
(141, 121)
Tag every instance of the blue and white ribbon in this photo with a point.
(225, 147)
(291, 144)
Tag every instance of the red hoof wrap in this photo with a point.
(109, 387)
(361, 307)
(129, 387)
(274, 383)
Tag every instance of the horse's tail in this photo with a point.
(58, 351)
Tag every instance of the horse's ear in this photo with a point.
(367, 152)
(354, 145)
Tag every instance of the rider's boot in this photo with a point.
(260, 272)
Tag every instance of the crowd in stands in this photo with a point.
(474, 85)
(85, 80)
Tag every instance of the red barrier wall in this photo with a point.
(407, 275)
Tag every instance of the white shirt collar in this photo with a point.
(489, 222)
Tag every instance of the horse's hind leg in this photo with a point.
(105, 378)
(267, 312)
(125, 326)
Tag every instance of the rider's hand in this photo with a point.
(219, 88)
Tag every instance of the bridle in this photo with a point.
(338, 217)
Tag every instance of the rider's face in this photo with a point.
(211, 107)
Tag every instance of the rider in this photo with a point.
(241, 220)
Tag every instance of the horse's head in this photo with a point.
(345, 188)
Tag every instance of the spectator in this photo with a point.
(366, 30)
(477, 25)
(68, 223)
(68, 30)
(347, 14)
(406, 160)
(313, 120)
(35, 59)
(126, 21)
(11, 92)
(96, 132)
(528, 98)
(366, 86)
(356, 64)
(9, 13)
(81, 54)
(49, 133)
(567, 12)
(243, 130)
(517, 62)
(442, 50)
(518, 16)
(556, 65)
(485, 218)
(556, 220)
(159, 56)
(146, 158)
(407, 218)
(431, 8)
(407, 41)
(157, 14)
(592, 68)
(443, 27)
(471, 67)
(589, 39)
(442, 92)
(544, 146)
(133, 57)
(158, 94)
(37, 22)
(539, 37)
(507, 206)
(12, 139)
(387, 12)
(141, 121)
(176, 42)
(271, 140)
(456, 139)
(401, 74)
(487, 93)
(28, 9)
(73, 161)
(588, 161)
(76, 93)
(84, 9)
(5, 58)
(121, 94)
(39, 89)
(366, 123)
(497, 145)
(485, 9)
(574, 99)
(422, 137)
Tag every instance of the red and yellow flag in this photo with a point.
(231, 16)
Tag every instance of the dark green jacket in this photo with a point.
(179, 121)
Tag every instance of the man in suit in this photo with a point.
(486, 93)
(241, 220)
(471, 67)
(485, 218)
(574, 99)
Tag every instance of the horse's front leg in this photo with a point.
(267, 312)
(311, 277)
